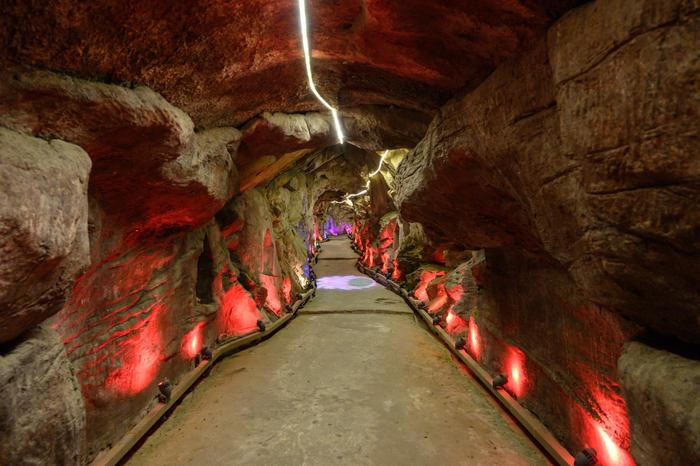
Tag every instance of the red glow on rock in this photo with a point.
(238, 313)
(436, 304)
(608, 432)
(192, 341)
(612, 451)
(369, 259)
(140, 357)
(455, 323)
(515, 366)
(439, 256)
(273, 300)
(385, 262)
(396, 275)
(232, 228)
(426, 277)
(287, 290)
(474, 339)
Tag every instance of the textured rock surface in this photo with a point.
(378, 127)
(616, 210)
(628, 105)
(151, 171)
(383, 52)
(576, 167)
(43, 227)
(42, 418)
(273, 142)
(123, 328)
(661, 390)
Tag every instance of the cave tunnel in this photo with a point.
(376, 232)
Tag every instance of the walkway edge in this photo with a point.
(115, 454)
(526, 419)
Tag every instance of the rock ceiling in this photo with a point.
(225, 62)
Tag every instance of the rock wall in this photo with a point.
(42, 418)
(575, 167)
(43, 227)
(111, 228)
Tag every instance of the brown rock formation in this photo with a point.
(42, 418)
(661, 394)
(43, 227)
(616, 211)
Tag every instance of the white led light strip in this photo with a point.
(347, 197)
(309, 74)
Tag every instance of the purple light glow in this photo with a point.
(334, 229)
(345, 282)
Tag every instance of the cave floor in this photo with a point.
(354, 379)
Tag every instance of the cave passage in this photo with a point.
(517, 188)
(354, 379)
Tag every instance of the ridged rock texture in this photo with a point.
(576, 166)
(42, 418)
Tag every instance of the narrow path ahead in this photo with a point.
(354, 380)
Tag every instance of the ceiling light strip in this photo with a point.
(309, 74)
(364, 191)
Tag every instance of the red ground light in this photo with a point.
(474, 339)
(140, 357)
(515, 367)
(238, 313)
(192, 341)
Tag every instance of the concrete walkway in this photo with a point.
(342, 384)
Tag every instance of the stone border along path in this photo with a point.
(341, 388)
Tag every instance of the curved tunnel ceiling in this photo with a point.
(224, 62)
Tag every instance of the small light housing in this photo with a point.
(165, 389)
(586, 457)
(499, 381)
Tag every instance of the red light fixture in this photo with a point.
(499, 381)
(166, 389)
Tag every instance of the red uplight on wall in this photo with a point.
(396, 274)
(273, 300)
(474, 339)
(437, 303)
(140, 357)
(192, 341)
(605, 425)
(238, 313)
(515, 367)
(426, 277)
(385, 262)
(287, 290)
(455, 323)
(611, 450)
